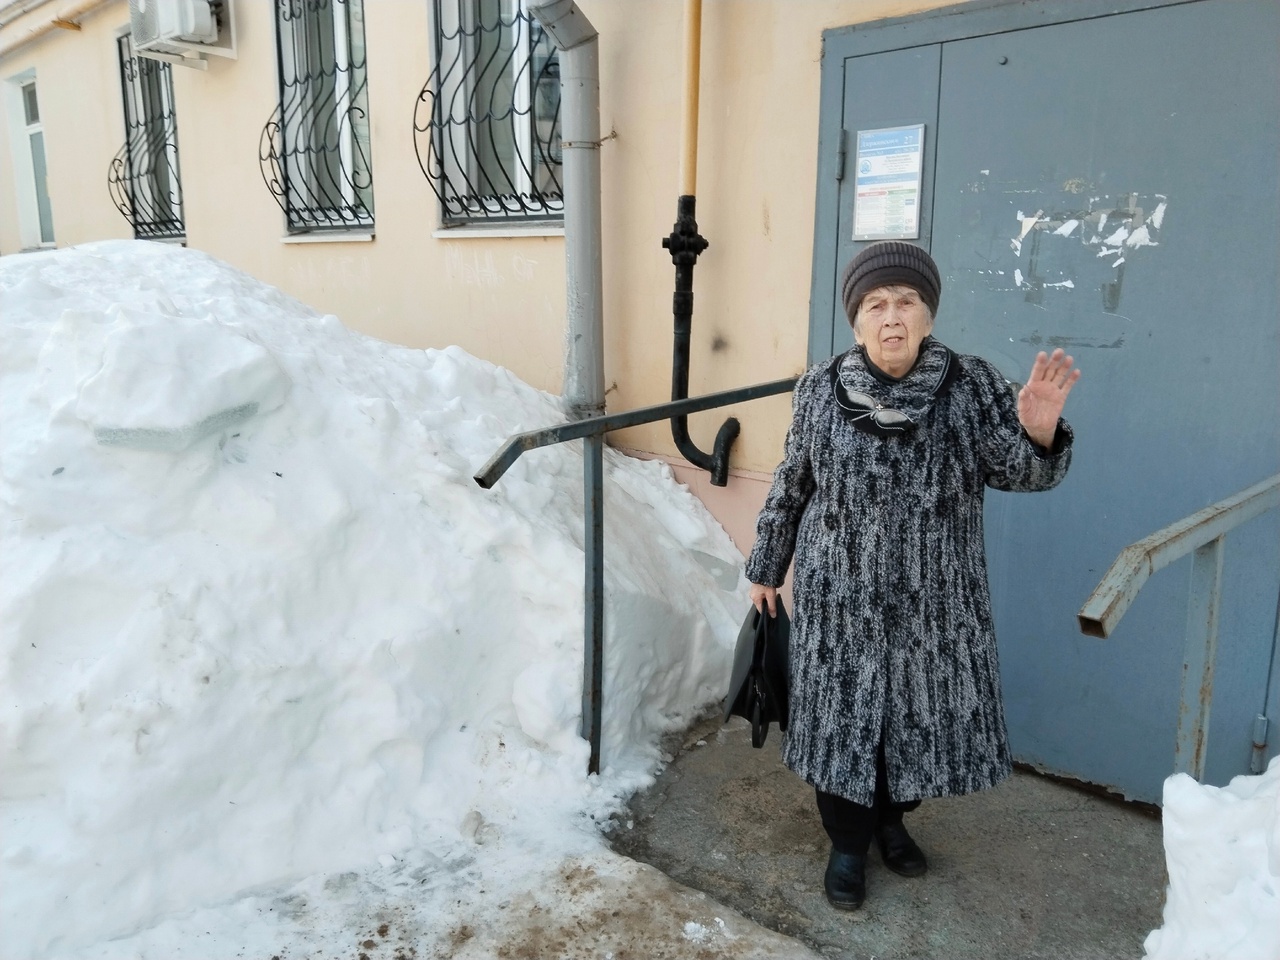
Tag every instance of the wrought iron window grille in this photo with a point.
(314, 151)
(487, 122)
(143, 178)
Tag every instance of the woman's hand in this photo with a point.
(1040, 402)
(762, 595)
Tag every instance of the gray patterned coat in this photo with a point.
(892, 634)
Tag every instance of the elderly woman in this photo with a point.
(895, 685)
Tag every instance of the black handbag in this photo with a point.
(758, 685)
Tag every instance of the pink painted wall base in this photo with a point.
(736, 506)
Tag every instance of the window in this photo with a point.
(314, 151)
(487, 123)
(34, 137)
(143, 179)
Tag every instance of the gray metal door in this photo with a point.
(1109, 185)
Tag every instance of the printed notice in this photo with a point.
(886, 204)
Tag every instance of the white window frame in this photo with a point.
(457, 20)
(301, 183)
(141, 153)
(30, 231)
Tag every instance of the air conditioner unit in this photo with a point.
(157, 22)
(182, 31)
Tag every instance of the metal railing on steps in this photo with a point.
(1202, 533)
(592, 430)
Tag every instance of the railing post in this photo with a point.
(593, 595)
(592, 431)
(1198, 658)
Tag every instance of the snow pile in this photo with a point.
(260, 624)
(1222, 846)
(141, 397)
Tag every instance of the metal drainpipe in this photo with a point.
(579, 47)
(684, 245)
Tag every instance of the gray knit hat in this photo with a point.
(887, 263)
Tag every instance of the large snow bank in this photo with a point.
(260, 623)
(1222, 847)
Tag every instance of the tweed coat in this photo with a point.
(892, 636)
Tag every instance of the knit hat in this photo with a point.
(887, 263)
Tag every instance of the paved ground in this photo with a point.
(1032, 869)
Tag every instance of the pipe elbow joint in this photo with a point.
(725, 436)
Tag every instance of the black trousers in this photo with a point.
(851, 825)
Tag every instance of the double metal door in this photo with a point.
(1108, 185)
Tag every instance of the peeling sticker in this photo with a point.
(1141, 238)
(1059, 239)
(1028, 224)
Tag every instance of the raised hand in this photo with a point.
(1040, 402)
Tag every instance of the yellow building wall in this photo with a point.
(757, 163)
(503, 298)
(78, 88)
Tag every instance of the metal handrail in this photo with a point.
(1201, 533)
(592, 430)
(517, 444)
(1136, 562)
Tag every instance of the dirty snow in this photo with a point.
(279, 678)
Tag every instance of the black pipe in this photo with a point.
(685, 244)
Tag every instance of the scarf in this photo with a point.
(877, 404)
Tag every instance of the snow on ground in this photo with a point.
(278, 678)
(1222, 847)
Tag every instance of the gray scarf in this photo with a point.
(877, 403)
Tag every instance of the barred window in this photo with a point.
(314, 151)
(143, 179)
(487, 122)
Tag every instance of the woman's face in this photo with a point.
(891, 324)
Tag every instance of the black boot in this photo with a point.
(846, 880)
(899, 852)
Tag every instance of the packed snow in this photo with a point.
(276, 670)
(1222, 849)
(280, 680)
